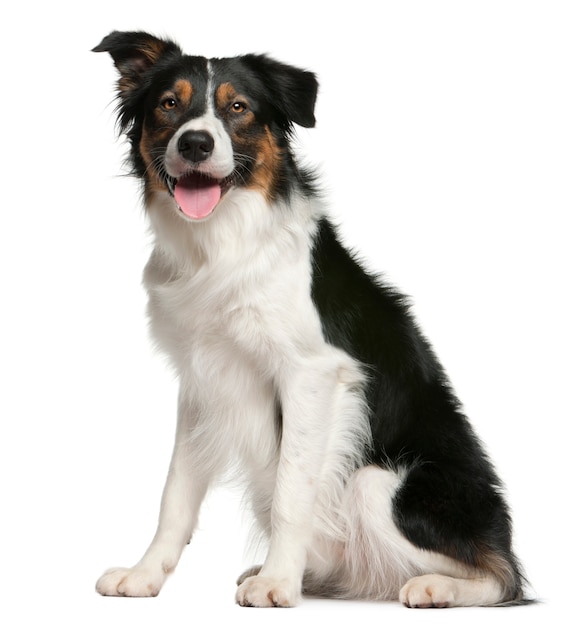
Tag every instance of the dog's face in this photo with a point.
(201, 127)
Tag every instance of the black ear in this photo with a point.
(134, 53)
(293, 90)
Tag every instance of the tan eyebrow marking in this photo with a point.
(184, 90)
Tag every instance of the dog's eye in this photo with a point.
(238, 107)
(168, 104)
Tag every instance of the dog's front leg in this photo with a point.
(308, 397)
(184, 491)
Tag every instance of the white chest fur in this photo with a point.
(241, 279)
(230, 304)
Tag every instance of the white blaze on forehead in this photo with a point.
(210, 88)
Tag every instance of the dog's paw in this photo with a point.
(135, 582)
(429, 591)
(261, 591)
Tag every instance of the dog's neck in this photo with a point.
(243, 225)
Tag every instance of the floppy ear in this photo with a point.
(293, 90)
(133, 54)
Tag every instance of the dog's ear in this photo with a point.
(293, 90)
(134, 53)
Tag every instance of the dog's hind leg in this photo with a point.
(381, 563)
(459, 517)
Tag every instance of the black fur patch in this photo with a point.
(450, 501)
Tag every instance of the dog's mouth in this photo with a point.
(197, 195)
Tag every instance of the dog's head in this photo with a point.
(200, 127)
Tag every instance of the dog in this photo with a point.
(299, 370)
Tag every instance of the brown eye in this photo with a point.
(238, 107)
(168, 104)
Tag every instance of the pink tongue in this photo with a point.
(197, 196)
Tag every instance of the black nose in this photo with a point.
(195, 145)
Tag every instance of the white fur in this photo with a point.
(230, 304)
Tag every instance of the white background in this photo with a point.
(450, 138)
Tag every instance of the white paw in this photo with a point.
(430, 591)
(261, 591)
(135, 582)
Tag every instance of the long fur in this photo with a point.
(299, 371)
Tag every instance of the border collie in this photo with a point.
(299, 372)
